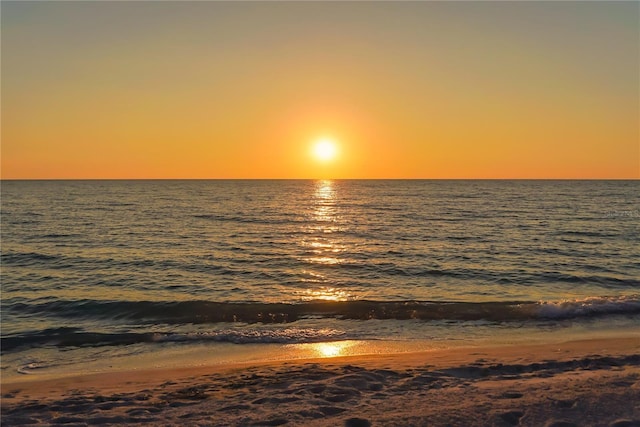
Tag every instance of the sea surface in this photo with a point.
(94, 271)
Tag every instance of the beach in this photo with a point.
(326, 303)
(576, 383)
(320, 213)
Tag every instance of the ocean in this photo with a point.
(98, 273)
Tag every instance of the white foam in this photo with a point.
(589, 307)
(246, 336)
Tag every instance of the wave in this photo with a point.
(200, 312)
(588, 307)
(273, 323)
(248, 219)
(75, 337)
(596, 234)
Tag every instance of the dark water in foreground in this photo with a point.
(115, 264)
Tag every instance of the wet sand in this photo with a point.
(578, 383)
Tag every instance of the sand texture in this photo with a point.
(586, 383)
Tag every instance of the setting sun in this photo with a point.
(325, 149)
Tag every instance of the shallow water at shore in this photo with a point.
(53, 362)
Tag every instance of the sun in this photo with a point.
(325, 149)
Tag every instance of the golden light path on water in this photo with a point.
(332, 349)
(359, 347)
(322, 241)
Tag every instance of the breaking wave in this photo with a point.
(197, 312)
(275, 323)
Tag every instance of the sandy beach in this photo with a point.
(576, 383)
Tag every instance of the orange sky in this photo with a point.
(241, 90)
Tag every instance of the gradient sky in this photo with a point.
(241, 89)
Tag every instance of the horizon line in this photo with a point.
(319, 179)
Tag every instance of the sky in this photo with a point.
(420, 89)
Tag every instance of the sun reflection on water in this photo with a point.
(327, 294)
(331, 349)
(322, 243)
(323, 220)
(325, 190)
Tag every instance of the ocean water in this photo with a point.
(99, 270)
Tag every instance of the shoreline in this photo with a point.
(584, 382)
(55, 363)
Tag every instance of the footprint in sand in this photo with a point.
(625, 423)
(331, 410)
(565, 403)
(512, 417)
(11, 394)
(510, 395)
(560, 423)
(357, 422)
(273, 422)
